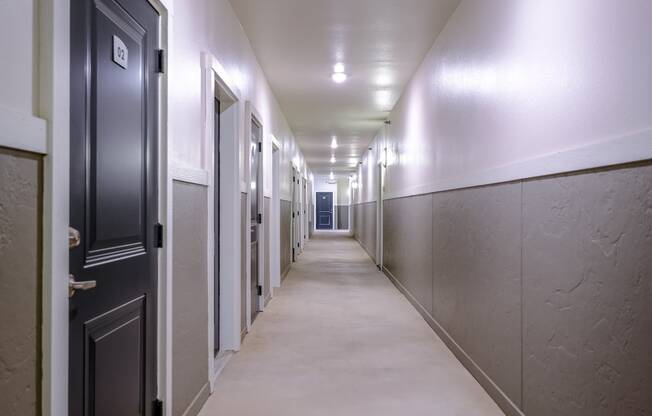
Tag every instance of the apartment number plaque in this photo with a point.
(120, 52)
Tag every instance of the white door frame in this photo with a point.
(252, 115)
(275, 226)
(218, 84)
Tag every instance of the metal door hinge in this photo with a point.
(298, 246)
(260, 290)
(293, 215)
(160, 61)
(260, 218)
(158, 232)
(158, 408)
(260, 147)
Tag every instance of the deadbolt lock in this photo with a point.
(73, 238)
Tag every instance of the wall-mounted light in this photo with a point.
(334, 143)
(339, 76)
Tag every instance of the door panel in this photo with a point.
(324, 210)
(113, 204)
(255, 211)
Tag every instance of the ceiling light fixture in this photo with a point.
(338, 68)
(331, 176)
(334, 143)
(332, 159)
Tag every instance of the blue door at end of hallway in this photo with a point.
(324, 209)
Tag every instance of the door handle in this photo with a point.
(74, 285)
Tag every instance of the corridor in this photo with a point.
(325, 208)
(339, 339)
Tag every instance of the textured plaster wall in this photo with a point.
(407, 245)
(587, 290)
(20, 283)
(190, 316)
(286, 244)
(545, 284)
(364, 224)
(476, 255)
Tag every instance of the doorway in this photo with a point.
(324, 209)
(256, 216)
(114, 235)
(216, 227)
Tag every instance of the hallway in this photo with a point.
(339, 339)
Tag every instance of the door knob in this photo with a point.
(74, 285)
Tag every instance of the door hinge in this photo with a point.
(298, 246)
(158, 232)
(293, 215)
(260, 290)
(260, 218)
(260, 147)
(158, 408)
(160, 61)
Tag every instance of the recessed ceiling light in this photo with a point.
(339, 77)
(338, 68)
(383, 98)
(332, 159)
(334, 143)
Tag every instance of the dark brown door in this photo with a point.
(113, 205)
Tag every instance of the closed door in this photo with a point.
(324, 210)
(113, 206)
(256, 217)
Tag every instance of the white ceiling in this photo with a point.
(380, 42)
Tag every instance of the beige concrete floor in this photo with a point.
(339, 339)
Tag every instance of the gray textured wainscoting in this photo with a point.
(267, 286)
(477, 277)
(587, 290)
(190, 317)
(407, 242)
(244, 239)
(542, 288)
(286, 225)
(365, 226)
(342, 217)
(20, 282)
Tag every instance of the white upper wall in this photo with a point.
(212, 26)
(510, 81)
(18, 72)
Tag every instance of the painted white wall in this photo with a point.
(212, 26)
(19, 70)
(343, 192)
(367, 178)
(509, 83)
